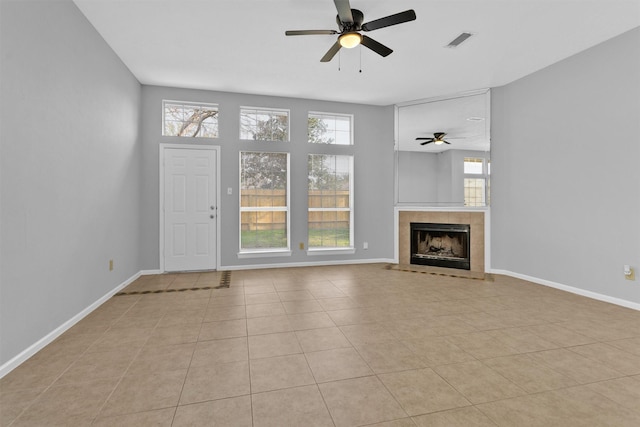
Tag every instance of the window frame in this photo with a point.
(265, 109)
(320, 250)
(351, 126)
(264, 252)
(193, 104)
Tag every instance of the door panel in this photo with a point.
(179, 241)
(179, 183)
(189, 209)
(202, 244)
(202, 191)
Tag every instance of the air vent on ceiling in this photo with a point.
(459, 40)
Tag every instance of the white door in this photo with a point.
(189, 209)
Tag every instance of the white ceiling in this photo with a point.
(240, 46)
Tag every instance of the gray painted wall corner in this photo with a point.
(565, 180)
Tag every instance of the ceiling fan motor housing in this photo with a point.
(356, 25)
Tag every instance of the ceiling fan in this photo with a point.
(438, 139)
(350, 24)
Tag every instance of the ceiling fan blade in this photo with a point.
(344, 10)
(378, 48)
(439, 135)
(398, 18)
(426, 142)
(424, 139)
(310, 32)
(446, 142)
(331, 52)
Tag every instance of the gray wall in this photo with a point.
(70, 169)
(374, 175)
(418, 177)
(565, 151)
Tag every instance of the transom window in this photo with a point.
(473, 165)
(330, 217)
(189, 119)
(264, 201)
(264, 124)
(326, 128)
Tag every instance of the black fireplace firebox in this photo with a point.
(441, 245)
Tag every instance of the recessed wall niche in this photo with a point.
(433, 174)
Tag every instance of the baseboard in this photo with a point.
(589, 294)
(148, 272)
(305, 264)
(47, 339)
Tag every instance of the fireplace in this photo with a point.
(441, 245)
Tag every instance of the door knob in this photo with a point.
(212, 216)
(213, 207)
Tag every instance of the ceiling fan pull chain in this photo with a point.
(360, 49)
(339, 60)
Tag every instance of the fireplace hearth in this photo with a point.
(441, 245)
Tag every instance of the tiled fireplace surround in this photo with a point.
(476, 219)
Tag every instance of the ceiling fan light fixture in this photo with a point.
(350, 40)
(439, 142)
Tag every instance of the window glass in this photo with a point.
(264, 201)
(264, 124)
(473, 165)
(474, 192)
(189, 119)
(330, 217)
(326, 128)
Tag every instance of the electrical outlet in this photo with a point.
(301, 246)
(629, 273)
(110, 265)
(365, 245)
(229, 191)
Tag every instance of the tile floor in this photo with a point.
(336, 346)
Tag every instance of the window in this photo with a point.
(474, 192)
(473, 165)
(189, 119)
(264, 124)
(330, 128)
(476, 181)
(330, 217)
(264, 201)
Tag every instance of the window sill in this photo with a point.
(263, 254)
(331, 251)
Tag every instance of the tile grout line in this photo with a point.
(246, 326)
(125, 371)
(86, 351)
